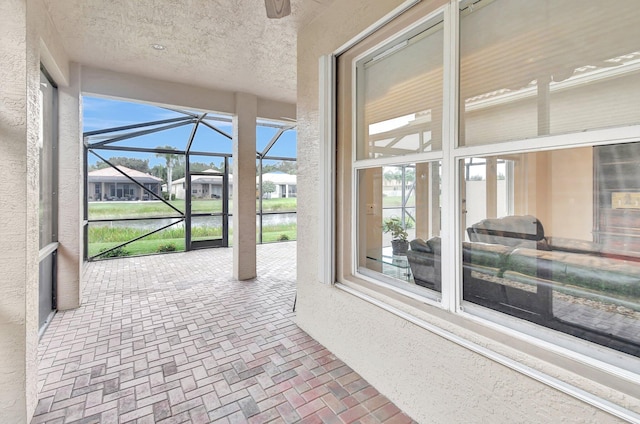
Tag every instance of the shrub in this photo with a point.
(167, 247)
(394, 226)
(283, 237)
(115, 253)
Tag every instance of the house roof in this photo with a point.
(279, 178)
(203, 179)
(111, 175)
(274, 177)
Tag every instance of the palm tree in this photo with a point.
(172, 160)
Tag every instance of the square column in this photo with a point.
(70, 193)
(244, 186)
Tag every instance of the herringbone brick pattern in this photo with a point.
(175, 339)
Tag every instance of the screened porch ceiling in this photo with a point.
(227, 45)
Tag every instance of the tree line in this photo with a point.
(176, 164)
(159, 171)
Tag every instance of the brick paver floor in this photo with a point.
(175, 339)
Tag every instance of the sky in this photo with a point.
(101, 113)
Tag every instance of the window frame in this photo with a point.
(614, 365)
(427, 21)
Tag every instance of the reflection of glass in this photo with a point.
(400, 95)
(410, 193)
(48, 160)
(550, 261)
(396, 266)
(531, 73)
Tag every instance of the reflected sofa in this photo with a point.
(510, 266)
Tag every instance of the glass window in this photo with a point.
(398, 223)
(534, 68)
(568, 257)
(400, 92)
(48, 161)
(542, 236)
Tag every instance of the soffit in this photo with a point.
(221, 44)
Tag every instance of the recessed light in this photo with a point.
(158, 46)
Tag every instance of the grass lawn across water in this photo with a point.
(154, 208)
(103, 237)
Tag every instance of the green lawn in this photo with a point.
(117, 210)
(278, 232)
(104, 237)
(140, 247)
(396, 201)
(277, 205)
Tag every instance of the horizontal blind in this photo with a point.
(532, 68)
(402, 80)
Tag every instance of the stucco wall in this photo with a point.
(25, 31)
(70, 198)
(429, 377)
(103, 82)
(17, 243)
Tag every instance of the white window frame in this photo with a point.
(363, 164)
(613, 364)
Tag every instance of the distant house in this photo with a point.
(109, 184)
(202, 186)
(210, 187)
(286, 184)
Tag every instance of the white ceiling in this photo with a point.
(221, 44)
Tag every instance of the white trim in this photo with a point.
(398, 160)
(401, 287)
(562, 344)
(448, 193)
(362, 59)
(355, 117)
(400, 37)
(541, 377)
(584, 138)
(47, 250)
(59, 76)
(46, 324)
(356, 164)
(326, 146)
(406, 5)
(355, 194)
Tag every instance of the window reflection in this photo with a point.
(400, 95)
(534, 68)
(568, 255)
(401, 202)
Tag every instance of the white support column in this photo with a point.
(70, 197)
(244, 187)
(19, 114)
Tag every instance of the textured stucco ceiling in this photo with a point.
(222, 44)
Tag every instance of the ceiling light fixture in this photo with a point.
(277, 9)
(158, 47)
